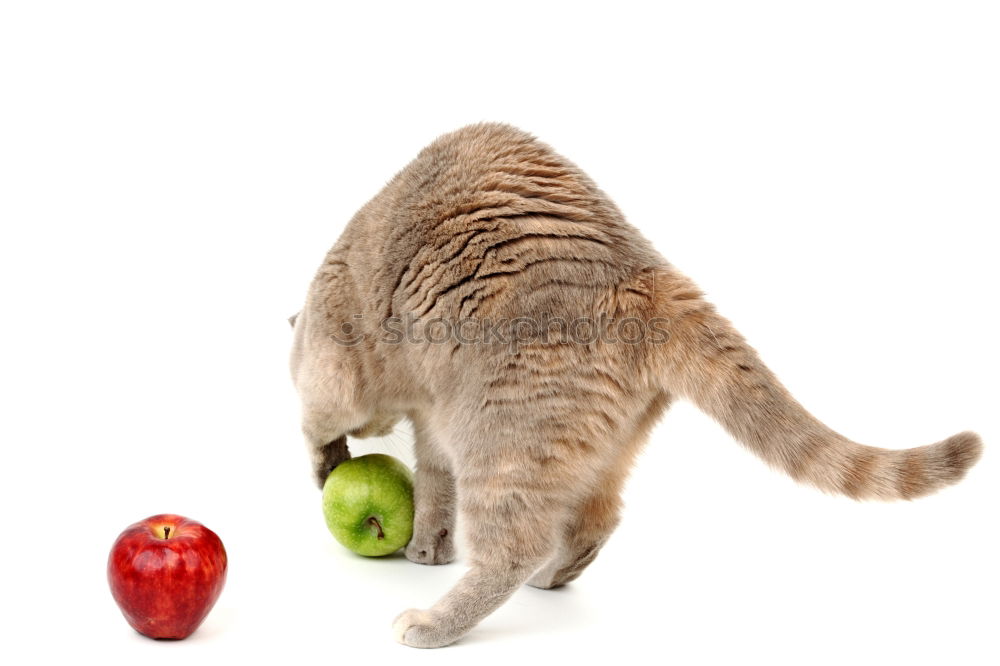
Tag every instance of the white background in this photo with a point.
(172, 174)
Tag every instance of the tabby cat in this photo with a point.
(493, 296)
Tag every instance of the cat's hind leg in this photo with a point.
(512, 499)
(594, 519)
(586, 533)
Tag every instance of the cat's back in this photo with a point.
(489, 221)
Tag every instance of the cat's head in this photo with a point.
(327, 373)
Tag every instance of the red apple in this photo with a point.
(166, 572)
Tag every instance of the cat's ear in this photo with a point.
(291, 320)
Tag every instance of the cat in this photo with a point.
(524, 425)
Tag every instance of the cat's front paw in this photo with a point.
(431, 547)
(326, 458)
(421, 629)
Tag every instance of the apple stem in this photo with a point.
(166, 532)
(372, 520)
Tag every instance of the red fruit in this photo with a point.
(166, 572)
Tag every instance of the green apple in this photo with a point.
(368, 504)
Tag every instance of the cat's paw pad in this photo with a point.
(420, 629)
(431, 547)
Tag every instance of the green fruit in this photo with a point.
(368, 504)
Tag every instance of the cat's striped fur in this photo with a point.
(531, 438)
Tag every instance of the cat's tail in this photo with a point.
(707, 361)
